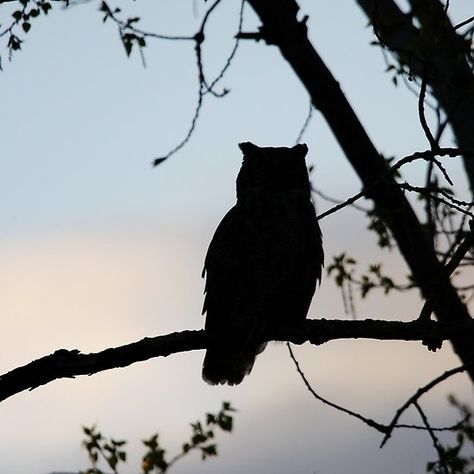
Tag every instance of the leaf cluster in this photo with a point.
(343, 270)
(454, 458)
(155, 460)
(22, 17)
(128, 34)
(98, 447)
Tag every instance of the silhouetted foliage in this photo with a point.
(111, 452)
(457, 458)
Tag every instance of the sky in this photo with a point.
(98, 249)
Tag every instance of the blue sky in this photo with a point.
(100, 249)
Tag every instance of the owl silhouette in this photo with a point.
(263, 262)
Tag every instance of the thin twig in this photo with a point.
(344, 204)
(434, 438)
(464, 23)
(204, 88)
(368, 421)
(426, 155)
(420, 190)
(334, 200)
(417, 395)
(385, 429)
(307, 121)
(233, 52)
(421, 112)
(446, 272)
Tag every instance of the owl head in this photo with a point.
(269, 169)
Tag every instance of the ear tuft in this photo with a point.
(300, 150)
(247, 147)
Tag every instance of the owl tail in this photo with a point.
(224, 366)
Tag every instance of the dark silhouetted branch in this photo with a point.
(380, 427)
(204, 86)
(436, 47)
(421, 114)
(449, 268)
(434, 438)
(306, 123)
(71, 363)
(281, 27)
(414, 398)
(367, 421)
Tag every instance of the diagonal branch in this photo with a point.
(436, 444)
(71, 363)
(435, 47)
(449, 268)
(281, 27)
(415, 397)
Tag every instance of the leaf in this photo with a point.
(14, 43)
(26, 26)
(127, 44)
(119, 443)
(104, 8)
(45, 6)
(17, 15)
(210, 419)
(225, 422)
(210, 450)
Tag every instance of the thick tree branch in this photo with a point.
(437, 49)
(71, 363)
(281, 27)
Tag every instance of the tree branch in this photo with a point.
(380, 427)
(450, 77)
(71, 363)
(281, 27)
(414, 398)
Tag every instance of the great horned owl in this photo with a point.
(263, 261)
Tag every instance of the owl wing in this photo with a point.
(304, 259)
(261, 270)
(224, 266)
(232, 299)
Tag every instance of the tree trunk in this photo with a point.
(281, 28)
(434, 49)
